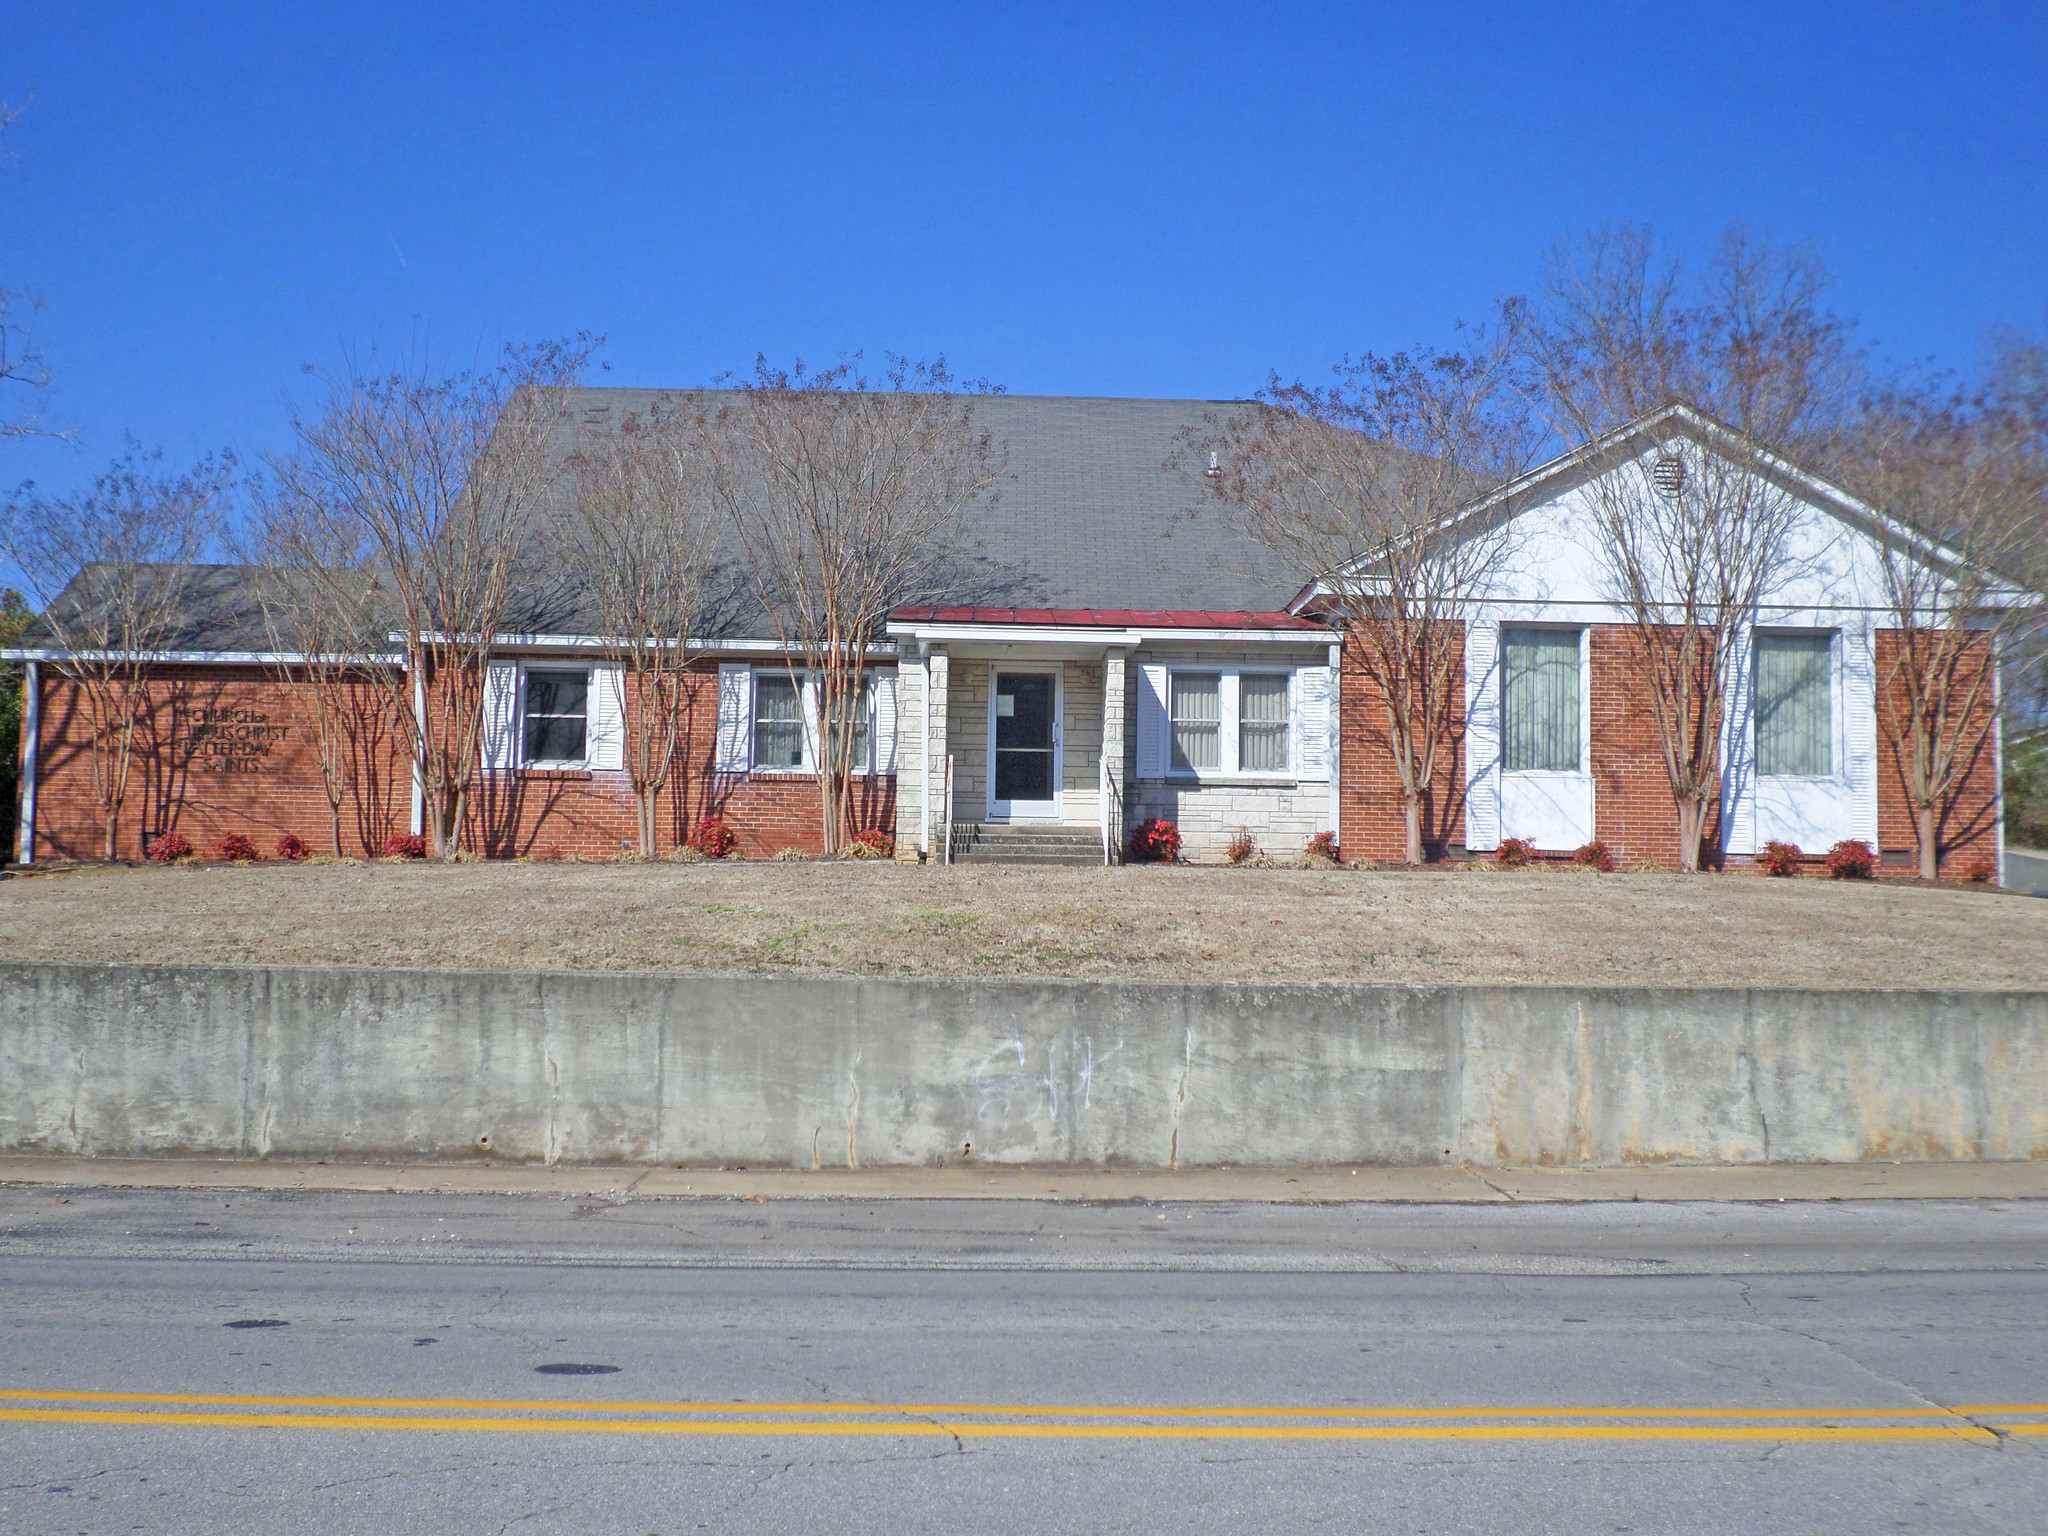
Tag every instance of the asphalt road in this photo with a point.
(986, 1366)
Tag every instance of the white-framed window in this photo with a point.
(779, 735)
(1543, 702)
(555, 717)
(785, 719)
(1194, 707)
(1795, 705)
(1228, 722)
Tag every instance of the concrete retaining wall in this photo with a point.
(583, 1067)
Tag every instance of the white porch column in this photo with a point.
(1112, 776)
(937, 697)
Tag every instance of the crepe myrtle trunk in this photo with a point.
(1927, 832)
(1692, 821)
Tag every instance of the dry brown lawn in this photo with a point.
(1484, 926)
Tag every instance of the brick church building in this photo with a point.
(1143, 660)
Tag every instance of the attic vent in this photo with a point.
(1215, 470)
(1668, 474)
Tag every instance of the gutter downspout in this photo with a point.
(1336, 729)
(419, 782)
(31, 733)
(1997, 759)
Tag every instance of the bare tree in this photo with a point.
(24, 364)
(1359, 486)
(848, 496)
(642, 547)
(110, 567)
(1966, 478)
(431, 485)
(1692, 539)
(322, 617)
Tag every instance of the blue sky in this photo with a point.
(1117, 200)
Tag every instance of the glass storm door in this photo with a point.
(1024, 743)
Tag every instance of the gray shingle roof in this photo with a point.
(1087, 514)
(220, 608)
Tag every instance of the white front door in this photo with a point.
(1024, 745)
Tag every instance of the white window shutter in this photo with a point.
(1482, 736)
(1738, 749)
(604, 742)
(735, 717)
(1151, 721)
(1308, 745)
(1859, 731)
(501, 716)
(807, 695)
(885, 720)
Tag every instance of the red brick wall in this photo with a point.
(592, 815)
(218, 749)
(260, 777)
(1633, 812)
(1369, 806)
(1968, 833)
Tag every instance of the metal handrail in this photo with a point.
(1102, 802)
(949, 808)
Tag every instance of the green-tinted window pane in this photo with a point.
(1795, 734)
(1196, 708)
(778, 722)
(1262, 723)
(1539, 700)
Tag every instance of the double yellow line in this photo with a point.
(1968, 1423)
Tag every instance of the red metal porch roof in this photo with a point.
(1107, 618)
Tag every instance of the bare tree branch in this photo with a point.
(1966, 476)
(1356, 486)
(109, 567)
(25, 377)
(1692, 539)
(848, 496)
(432, 485)
(643, 546)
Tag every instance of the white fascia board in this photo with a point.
(198, 658)
(535, 642)
(1032, 634)
(1053, 634)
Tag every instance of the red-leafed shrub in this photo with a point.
(1242, 847)
(872, 843)
(169, 847)
(1324, 846)
(713, 838)
(1155, 842)
(552, 854)
(1779, 859)
(233, 848)
(1595, 855)
(293, 847)
(399, 846)
(1514, 852)
(1852, 859)
(1983, 872)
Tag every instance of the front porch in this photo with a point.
(1045, 736)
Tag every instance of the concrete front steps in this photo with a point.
(1025, 843)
